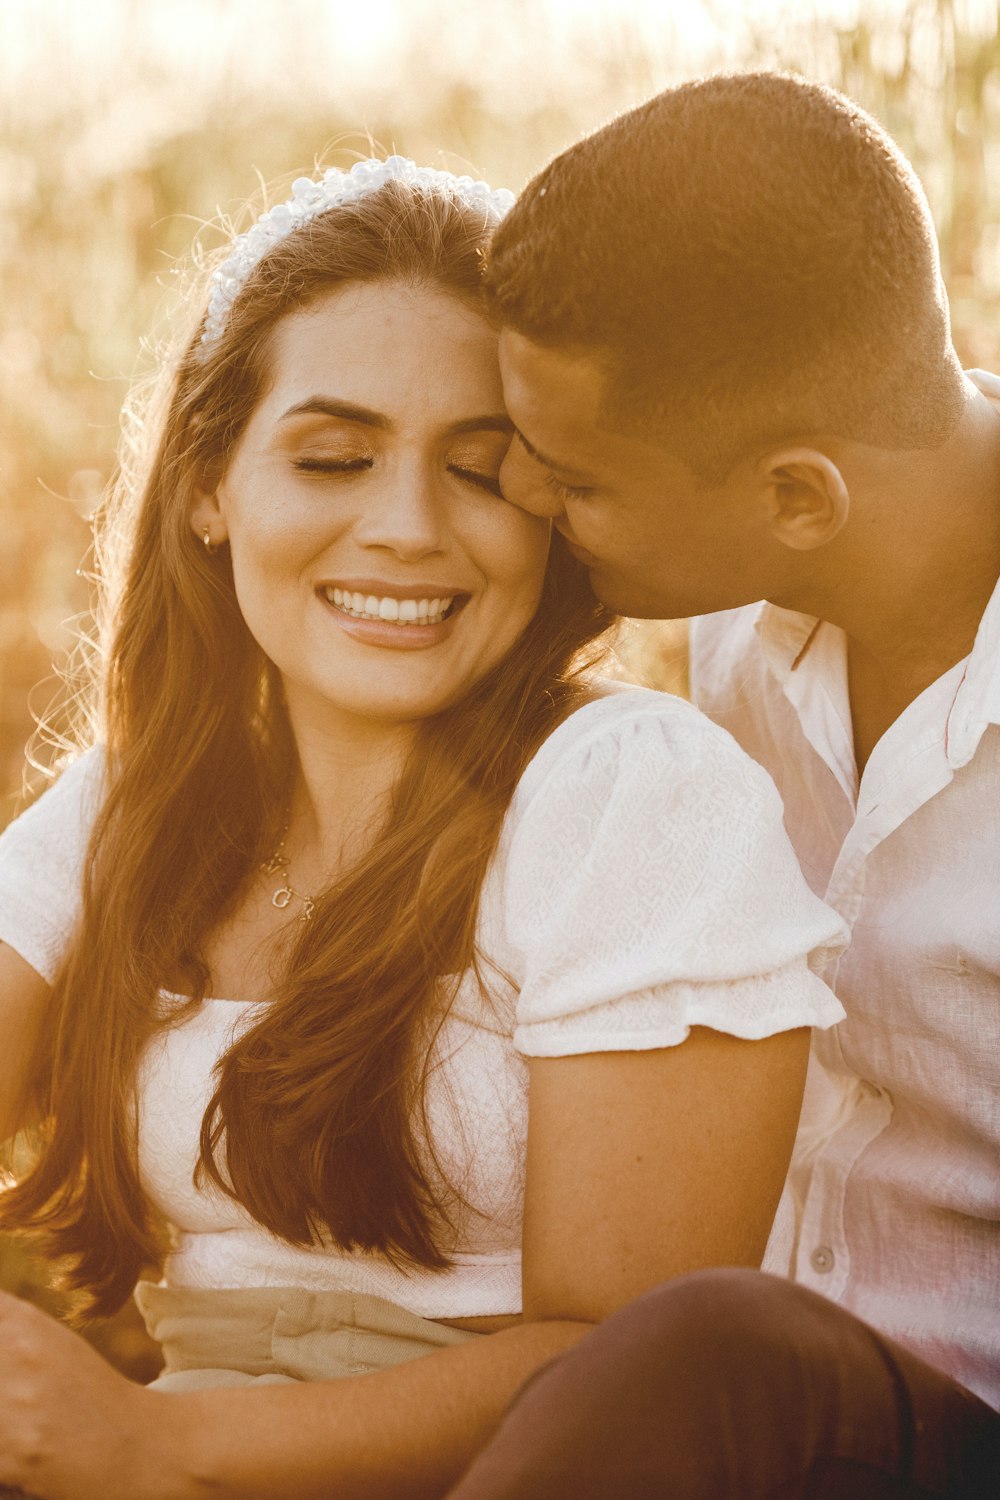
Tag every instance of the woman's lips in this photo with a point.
(375, 627)
(410, 604)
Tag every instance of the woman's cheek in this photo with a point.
(530, 545)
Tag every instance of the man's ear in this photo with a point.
(207, 520)
(807, 496)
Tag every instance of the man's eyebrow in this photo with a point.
(573, 475)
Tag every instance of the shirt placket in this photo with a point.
(907, 770)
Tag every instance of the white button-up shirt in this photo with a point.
(898, 1185)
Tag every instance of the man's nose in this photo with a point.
(522, 484)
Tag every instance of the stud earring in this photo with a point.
(206, 537)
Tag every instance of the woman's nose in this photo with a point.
(409, 517)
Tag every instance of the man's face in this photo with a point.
(659, 542)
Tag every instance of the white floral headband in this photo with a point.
(309, 199)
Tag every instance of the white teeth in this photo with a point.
(396, 611)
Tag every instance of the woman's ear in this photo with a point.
(207, 520)
(808, 499)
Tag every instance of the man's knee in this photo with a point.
(727, 1325)
(675, 1393)
(704, 1361)
(729, 1382)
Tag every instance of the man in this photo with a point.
(726, 351)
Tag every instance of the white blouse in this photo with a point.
(643, 885)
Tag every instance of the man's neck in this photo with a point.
(910, 584)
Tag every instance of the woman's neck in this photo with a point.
(347, 770)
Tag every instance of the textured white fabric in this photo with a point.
(643, 884)
(898, 1192)
(41, 865)
(647, 888)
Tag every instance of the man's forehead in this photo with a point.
(556, 400)
(555, 397)
(548, 376)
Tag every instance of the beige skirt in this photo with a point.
(278, 1334)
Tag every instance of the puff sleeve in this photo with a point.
(649, 887)
(41, 865)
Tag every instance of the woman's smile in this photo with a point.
(395, 616)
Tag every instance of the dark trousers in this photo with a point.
(735, 1385)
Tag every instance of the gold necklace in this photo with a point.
(285, 893)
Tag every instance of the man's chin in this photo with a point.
(638, 603)
(643, 601)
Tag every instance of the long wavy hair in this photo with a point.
(315, 1125)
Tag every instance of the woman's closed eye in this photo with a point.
(316, 465)
(332, 466)
(477, 477)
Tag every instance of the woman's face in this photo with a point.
(375, 561)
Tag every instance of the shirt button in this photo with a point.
(822, 1259)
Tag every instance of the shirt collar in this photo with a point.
(785, 637)
(818, 694)
(977, 702)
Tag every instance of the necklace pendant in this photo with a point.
(308, 907)
(282, 897)
(274, 864)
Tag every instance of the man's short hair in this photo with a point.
(752, 258)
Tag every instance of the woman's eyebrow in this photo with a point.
(344, 411)
(494, 422)
(347, 411)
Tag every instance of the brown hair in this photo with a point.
(752, 258)
(320, 1101)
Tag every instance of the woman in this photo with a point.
(418, 990)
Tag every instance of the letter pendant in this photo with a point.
(282, 896)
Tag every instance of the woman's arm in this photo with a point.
(640, 1166)
(645, 1165)
(72, 1428)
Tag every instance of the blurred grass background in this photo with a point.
(127, 125)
